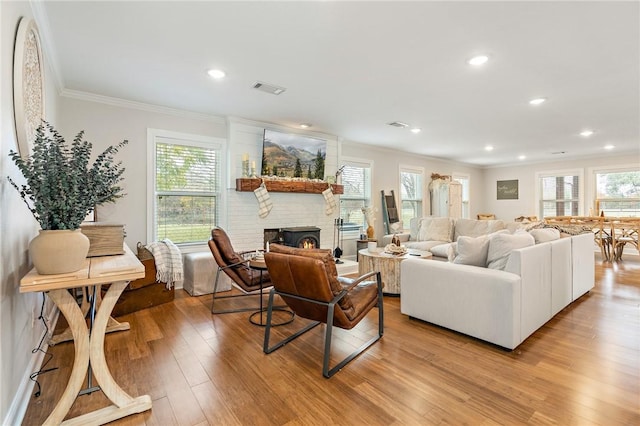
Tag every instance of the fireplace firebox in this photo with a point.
(302, 236)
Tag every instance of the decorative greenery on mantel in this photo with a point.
(61, 188)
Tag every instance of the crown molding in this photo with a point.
(124, 103)
(40, 16)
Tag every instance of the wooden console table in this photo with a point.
(89, 342)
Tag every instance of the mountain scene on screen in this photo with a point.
(293, 160)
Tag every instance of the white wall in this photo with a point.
(19, 334)
(386, 176)
(108, 124)
(525, 205)
(289, 209)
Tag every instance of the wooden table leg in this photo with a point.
(90, 349)
(112, 325)
(78, 328)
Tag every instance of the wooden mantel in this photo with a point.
(304, 187)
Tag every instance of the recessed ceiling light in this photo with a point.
(416, 130)
(522, 157)
(305, 125)
(478, 60)
(488, 148)
(217, 74)
(537, 101)
(586, 133)
(609, 147)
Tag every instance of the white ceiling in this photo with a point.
(351, 67)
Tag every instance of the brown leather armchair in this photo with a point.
(308, 282)
(236, 266)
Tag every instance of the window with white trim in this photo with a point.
(185, 201)
(559, 193)
(618, 192)
(411, 193)
(464, 181)
(356, 179)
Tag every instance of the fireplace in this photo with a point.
(302, 236)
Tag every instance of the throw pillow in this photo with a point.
(542, 235)
(501, 245)
(472, 251)
(435, 229)
(441, 250)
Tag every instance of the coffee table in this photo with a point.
(388, 265)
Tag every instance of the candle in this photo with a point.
(253, 164)
(245, 157)
(597, 207)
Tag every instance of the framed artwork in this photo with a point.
(507, 189)
(28, 84)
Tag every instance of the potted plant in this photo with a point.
(61, 189)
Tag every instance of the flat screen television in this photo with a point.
(291, 155)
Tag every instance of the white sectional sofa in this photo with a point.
(505, 306)
(426, 233)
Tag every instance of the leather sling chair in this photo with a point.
(236, 266)
(308, 282)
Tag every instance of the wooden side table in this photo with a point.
(89, 340)
(388, 265)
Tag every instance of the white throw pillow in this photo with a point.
(501, 245)
(542, 235)
(472, 251)
(441, 250)
(435, 229)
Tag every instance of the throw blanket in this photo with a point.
(168, 261)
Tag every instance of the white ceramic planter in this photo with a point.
(59, 251)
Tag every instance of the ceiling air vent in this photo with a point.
(268, 88)
(558, 152)
(398, 124)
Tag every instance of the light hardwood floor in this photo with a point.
(581, 368)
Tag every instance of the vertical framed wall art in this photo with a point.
(507, 189)
(28, 84)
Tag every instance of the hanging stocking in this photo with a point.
(264, 201)
(330, 200)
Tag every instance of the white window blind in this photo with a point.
(186, 191)
(356, 179)
(411, 190)
(464, 181)
(560, 195)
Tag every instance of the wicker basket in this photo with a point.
(143, 252)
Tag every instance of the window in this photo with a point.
(559, 193)
(411, 194)
(464, 181)
(356, 179)
(185, 191)
(618, 192)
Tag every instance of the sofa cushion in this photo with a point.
(436, 229)
(543, 235)
(472, 251)
(476, 228)
(502, 244)
(441, 250)
(422, 245)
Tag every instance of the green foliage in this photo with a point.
(61, 188)
(297, 172)
(319, 166)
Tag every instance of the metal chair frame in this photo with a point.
(253, 293)
(326, 371)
